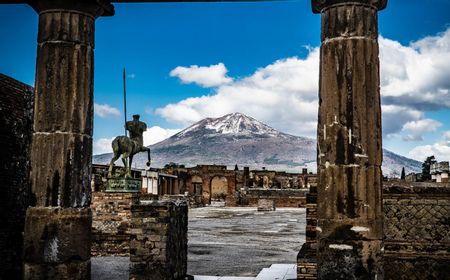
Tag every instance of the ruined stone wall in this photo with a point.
(281, 197)
(306, 259)
(16, 111)
(158, 246)
(111, 217)
(417, 232)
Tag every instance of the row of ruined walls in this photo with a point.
(280, 197)
(416, 232)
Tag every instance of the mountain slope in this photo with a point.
(239, 139)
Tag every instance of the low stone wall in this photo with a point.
(158, 246)
(111, 217)
(417, 231)
(266, 205)
(306, 259)
(281, 197)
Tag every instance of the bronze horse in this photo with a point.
(127, 148)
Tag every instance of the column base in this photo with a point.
(77, 270)
(57, 243)
(350, 259)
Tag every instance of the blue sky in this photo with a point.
(257, 58)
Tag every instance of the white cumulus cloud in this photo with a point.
(106, 110)
(417, 75)
(156, 134)
(205, 76)
(416, 129)
(283, 94)
(415, 78)
(395, 117)
(102, 146)
(440, 149)
(152, 136)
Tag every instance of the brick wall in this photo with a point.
(158, 246)
(111, 217)
(417, 231)
(16, 121)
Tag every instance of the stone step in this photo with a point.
(200, 277)
(274, 272)
(278, 272)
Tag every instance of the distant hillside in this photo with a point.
(240, 139)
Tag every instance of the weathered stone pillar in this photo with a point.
(58, 228)
(349, 202)
(158, 243)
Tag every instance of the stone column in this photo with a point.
(58, 228)
(349, 202)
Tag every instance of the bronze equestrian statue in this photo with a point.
(129, 146)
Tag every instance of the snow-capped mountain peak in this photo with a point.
(235, 123)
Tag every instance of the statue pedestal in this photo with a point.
(121, 184)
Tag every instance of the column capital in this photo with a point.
(94, 8)
(319, 5)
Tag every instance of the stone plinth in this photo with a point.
(57, 243)
(158, 246)
(349, 205)
(123, 185)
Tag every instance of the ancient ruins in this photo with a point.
(357, 227)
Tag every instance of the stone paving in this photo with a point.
(225, 242)
(242, 241)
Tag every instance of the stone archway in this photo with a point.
(219, 188)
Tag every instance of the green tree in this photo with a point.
(403, 176)
(426, 166)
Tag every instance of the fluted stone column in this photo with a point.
(58, 228)
(349, 203)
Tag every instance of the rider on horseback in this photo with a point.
(136, 129)
(128, 147)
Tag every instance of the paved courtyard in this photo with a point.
(243, 241)
(229, 242)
